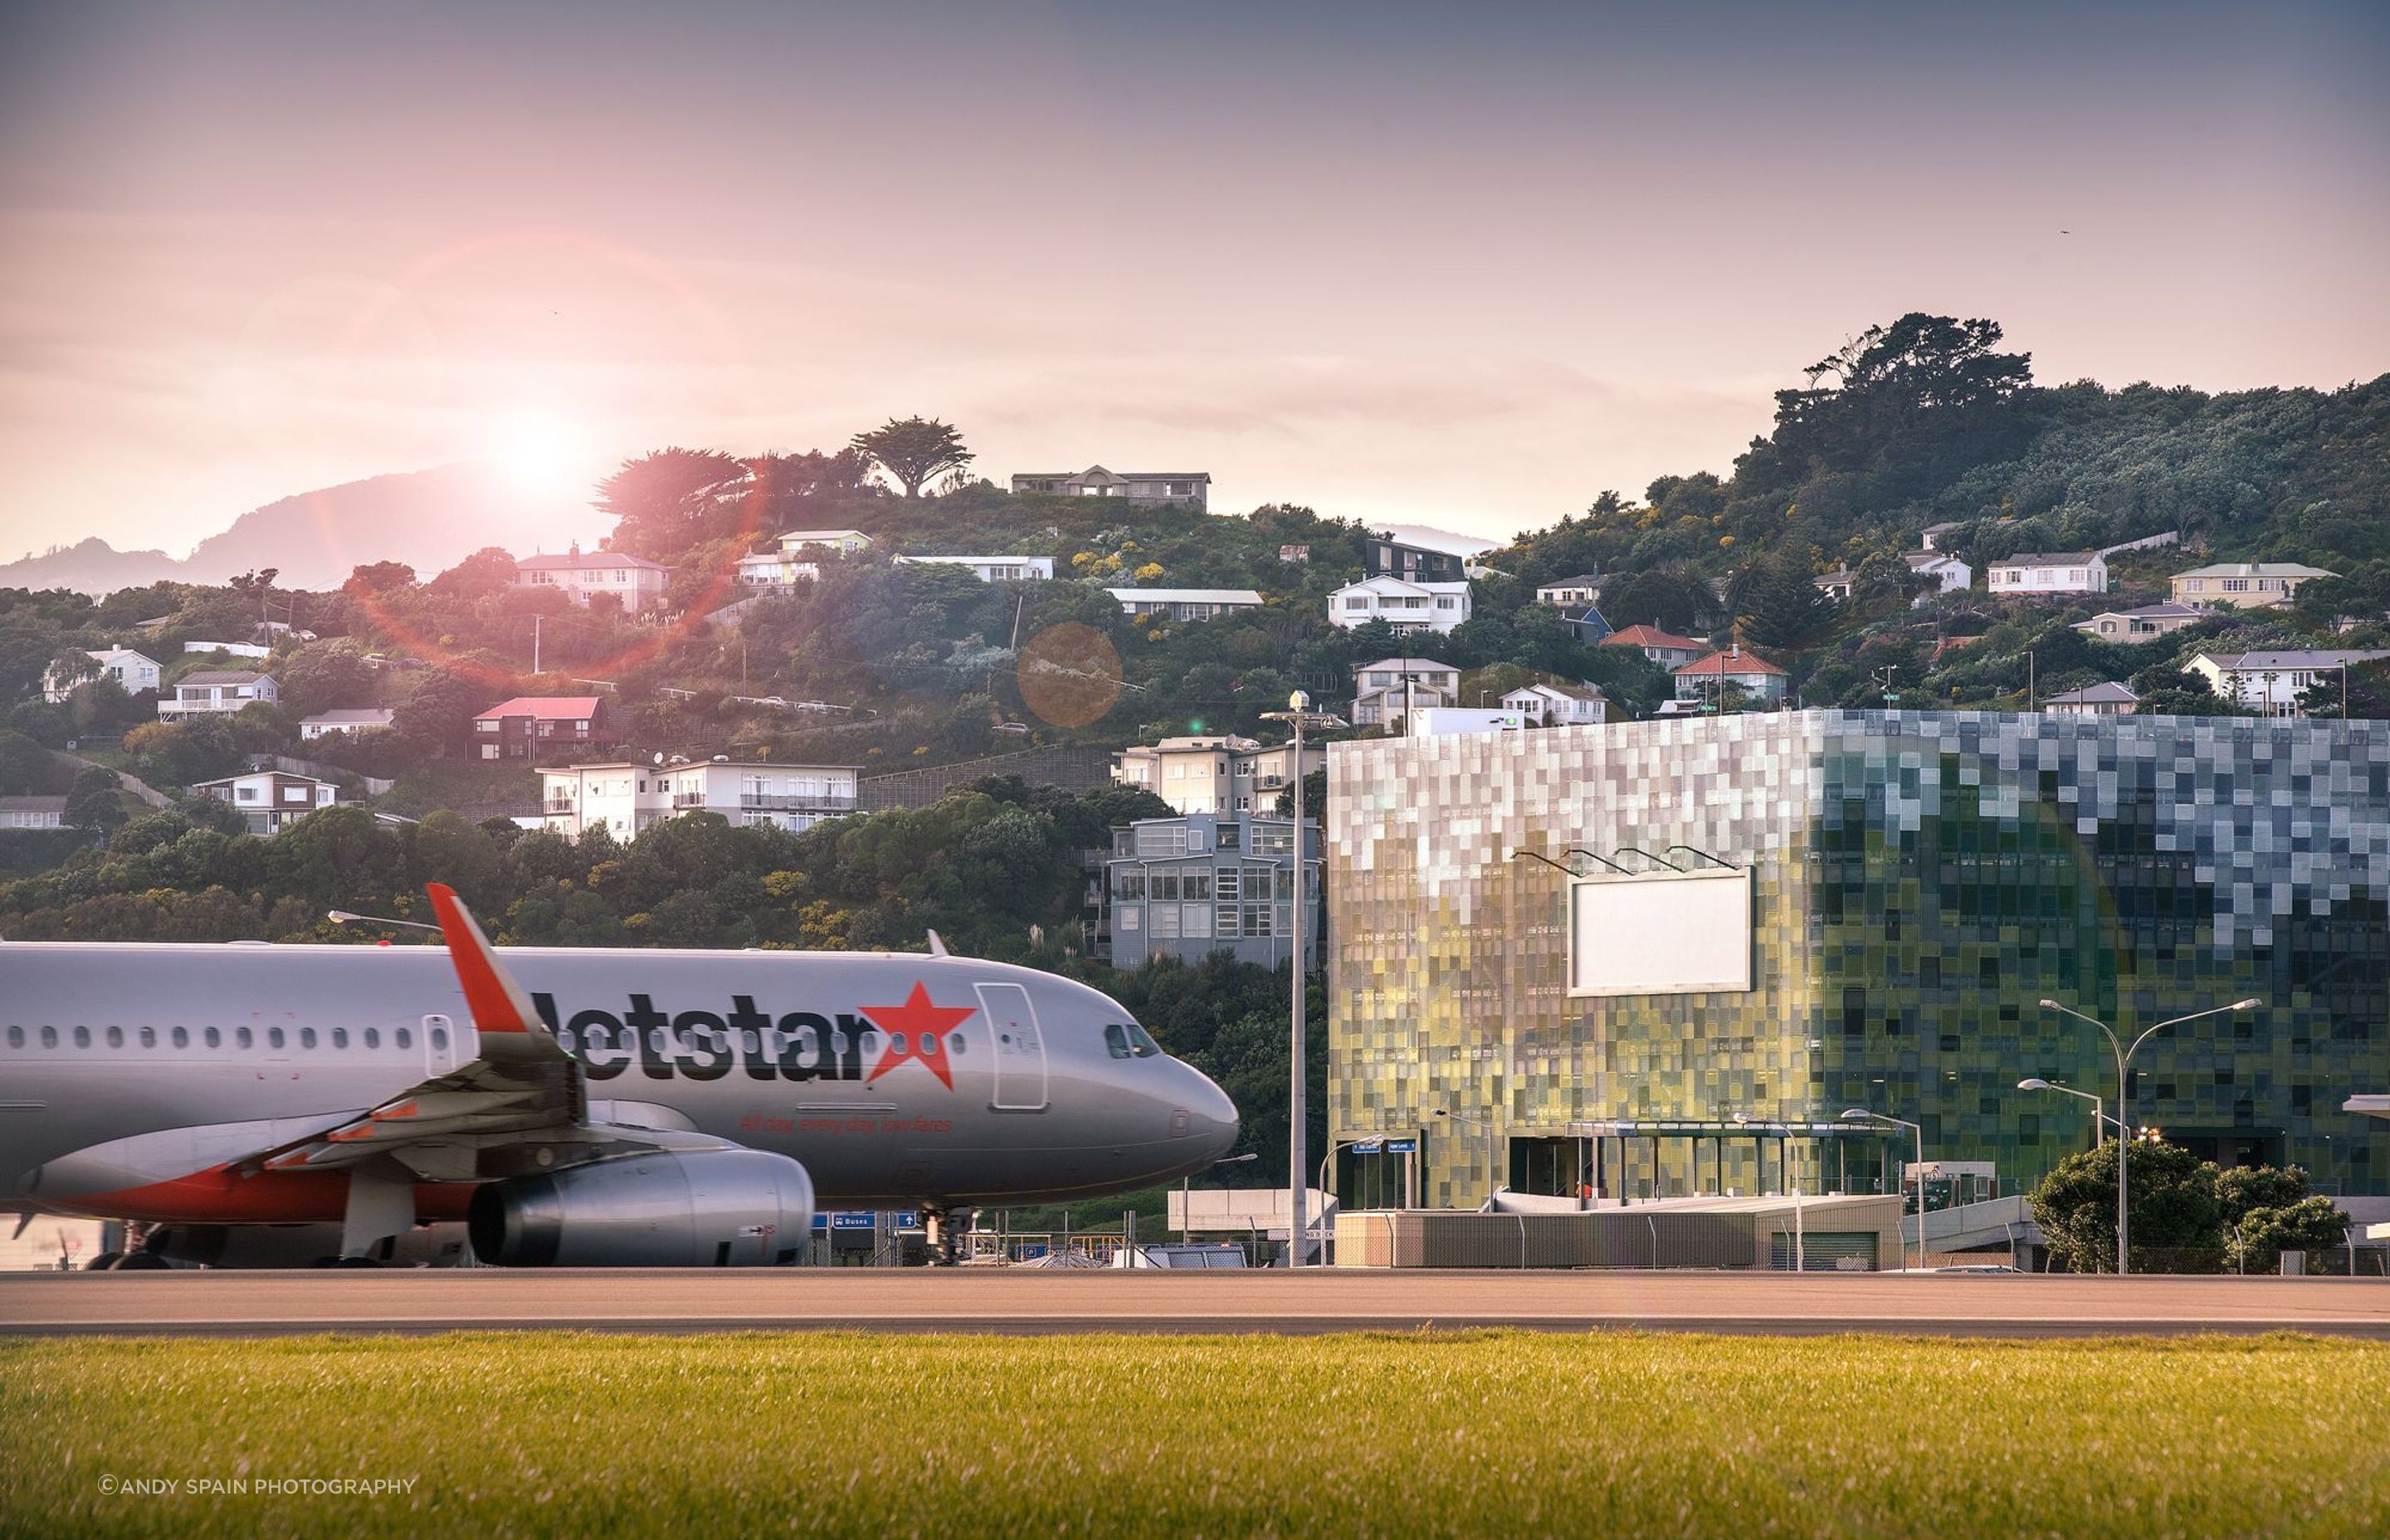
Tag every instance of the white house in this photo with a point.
(1558, 705)
(583, 575)
(798, 554)
(2244, 584)
(1148, 488)
(1835, 584)
(991, 568)
(32, 813)
(1404, 605)
(271, 799)
(2273, 681)
(355, 721)
(1214, 772)
(1584, 588)
(627, 797)
(132, 670)
(1949, 575)
(2139, 625)
(2105, 699)
(1184, 604)
(2040, 573)
(217, 690)
(1382, 692)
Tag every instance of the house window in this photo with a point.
(1357, 602)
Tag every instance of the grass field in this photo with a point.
(1458, 1434)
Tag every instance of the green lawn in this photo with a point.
(1463, 1435)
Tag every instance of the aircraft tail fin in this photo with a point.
(498, 1003)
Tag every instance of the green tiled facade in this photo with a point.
(1921, 880)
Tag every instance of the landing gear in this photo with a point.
(103, 1262)
(945, 1227)
(141, 1261)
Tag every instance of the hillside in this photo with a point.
(426, 519)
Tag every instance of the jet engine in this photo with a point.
(712, 1208)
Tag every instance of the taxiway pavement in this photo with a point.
(1042, 1302)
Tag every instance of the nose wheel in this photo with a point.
(945, 1226)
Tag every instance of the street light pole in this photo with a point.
(1298, 715)
(1860, 1114)
(2123, 1105)
(2099, 1105)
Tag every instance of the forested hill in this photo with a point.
(1927, 421)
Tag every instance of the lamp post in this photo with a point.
(1187, 1190)
(1860, 1114)
(2099, 1106)
(1493, 1179)
(2123, 1106)
(342, 917)
(1298, 715)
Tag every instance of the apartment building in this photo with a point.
(1218, 773)
(626, 798)
(1203, 883)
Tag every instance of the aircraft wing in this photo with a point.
(522, 1105)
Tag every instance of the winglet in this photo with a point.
(497, 1002)
(937, 944)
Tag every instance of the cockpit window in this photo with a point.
(1127, 1040)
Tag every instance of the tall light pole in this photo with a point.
(1298, 715)
(2099, 1105)
(1860, 1114)
(2123, 1105)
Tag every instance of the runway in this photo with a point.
(1042, 1303)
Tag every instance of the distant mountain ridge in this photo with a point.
(430, 519)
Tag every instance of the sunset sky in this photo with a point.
(1466, 264)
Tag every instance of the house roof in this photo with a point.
(105, 653)
(1562, 691)
(1097, 473)
(1651, 635)
(1427, 537)
(2168, 611)
(1920, 561)
(1383, 583)
(818, 537)
(2285, 658)
(1838, 575)
(34, 805)
(264, 774)
(581, 561)
(1185, 596)
(339, 715)
(1582, 580)
(2049, 559)
(224, 676)
(2107, 694)
(2257, 569)
(546, 707)
(1728, 664)
(1408, 665)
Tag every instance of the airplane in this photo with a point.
(272, 1105)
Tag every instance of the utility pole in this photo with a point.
(534, 644)
(1298, 715)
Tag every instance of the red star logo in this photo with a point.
(920, 1027)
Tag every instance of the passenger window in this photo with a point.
(373, 1037)
(148, 1038)
(1116, 1040)
(215, 1038)
(404, 1038)
(15, 1037)
(83, 1038)
(116, 1037)
(244, 1037)
(306, 1037)
(182, 1038)
(896, 1042)
(339, 1037)
(955, 1043)
(49, 1037)
(274, 1037)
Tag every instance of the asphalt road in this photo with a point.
(1031, 1302)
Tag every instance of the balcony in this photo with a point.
(555, 805)
(795, 801)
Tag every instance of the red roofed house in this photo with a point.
(1759, 679)
(532, 727)
(1668, 652)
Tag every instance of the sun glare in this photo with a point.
(540, 449)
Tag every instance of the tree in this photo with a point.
(330, 675)
(377, 579)
(2171, 1199)
(665, 502)
(95, 801)
(914, 450)
(24, 765)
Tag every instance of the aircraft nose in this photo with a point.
(1212, 1120)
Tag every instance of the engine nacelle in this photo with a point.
(712, 1208)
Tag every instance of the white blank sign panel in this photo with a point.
(1669, 933)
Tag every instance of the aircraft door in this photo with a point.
(447, 1044)
(1020, 1051)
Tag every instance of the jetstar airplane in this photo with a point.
(279, 1105)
